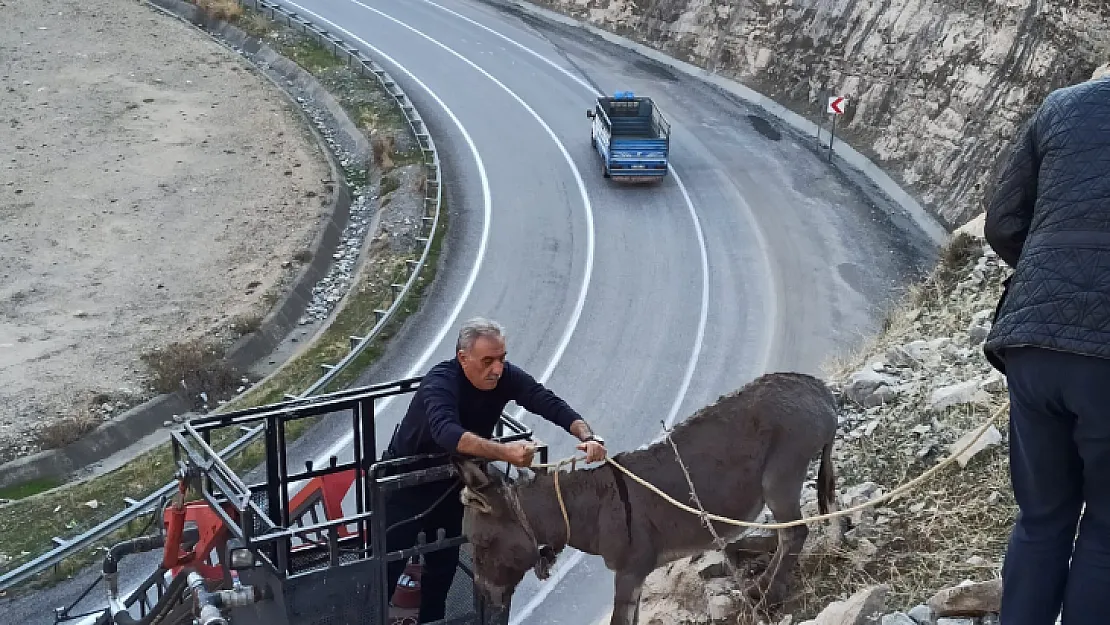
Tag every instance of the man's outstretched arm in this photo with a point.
(538, 399)
(441, 406)
(519, 453)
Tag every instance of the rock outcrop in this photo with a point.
(937, 88)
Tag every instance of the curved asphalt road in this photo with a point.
(636, 304)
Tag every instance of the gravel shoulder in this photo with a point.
(153, 190)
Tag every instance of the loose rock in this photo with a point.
(862, 608)
(971, 599)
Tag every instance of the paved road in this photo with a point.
(638, 305)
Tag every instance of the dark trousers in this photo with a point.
(1059, 463)
(439, 566)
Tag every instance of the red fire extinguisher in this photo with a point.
(406, 595)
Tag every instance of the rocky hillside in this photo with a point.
(909, 399)
(937, 87)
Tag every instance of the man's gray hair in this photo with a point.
(476, 328)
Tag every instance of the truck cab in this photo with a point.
(632, 137)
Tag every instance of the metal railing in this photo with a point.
(433, 201)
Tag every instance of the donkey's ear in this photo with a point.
(545, 561)
(472, 473)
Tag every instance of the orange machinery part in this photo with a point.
(213, 535)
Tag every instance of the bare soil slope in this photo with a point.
(153, 189)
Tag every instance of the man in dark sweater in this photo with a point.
(455, 410)
(1049, 219)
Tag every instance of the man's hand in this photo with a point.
(595, 451)
(519, 454)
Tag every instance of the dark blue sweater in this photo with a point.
(446, 405)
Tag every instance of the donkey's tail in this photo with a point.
(826, 481)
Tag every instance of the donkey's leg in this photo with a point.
(626, 597)
(782, 484)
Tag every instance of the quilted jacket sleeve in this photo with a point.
(1010, 210)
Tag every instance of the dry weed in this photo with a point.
(247, 323)
(954, 526)
(382, 146)
(194, 366)
(62, 432)
(226, 10)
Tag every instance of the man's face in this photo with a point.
(484, 362)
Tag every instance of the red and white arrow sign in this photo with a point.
(836, 105)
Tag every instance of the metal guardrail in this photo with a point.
(433, 201)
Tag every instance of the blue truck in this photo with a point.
(632, 137)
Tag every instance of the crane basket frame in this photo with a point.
(265, 555)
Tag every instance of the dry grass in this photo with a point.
(88, 411)
(246, 324)
(226, 10)
(58, 434)
(195, 366)
(382, 146)
(956, 525)
(950, 269)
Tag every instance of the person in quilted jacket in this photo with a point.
(1049, 219)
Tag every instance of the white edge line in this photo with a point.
(699, 340)
(487, 211)
(581, 303)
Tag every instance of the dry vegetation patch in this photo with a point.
(956, 525)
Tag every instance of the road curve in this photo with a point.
(635, 304)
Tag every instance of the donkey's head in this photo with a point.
(504, 541)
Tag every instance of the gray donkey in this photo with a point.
(750, 448)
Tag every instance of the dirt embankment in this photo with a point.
(153, 190)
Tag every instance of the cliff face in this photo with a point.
(937, 88)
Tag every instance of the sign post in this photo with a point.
(836, 107)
